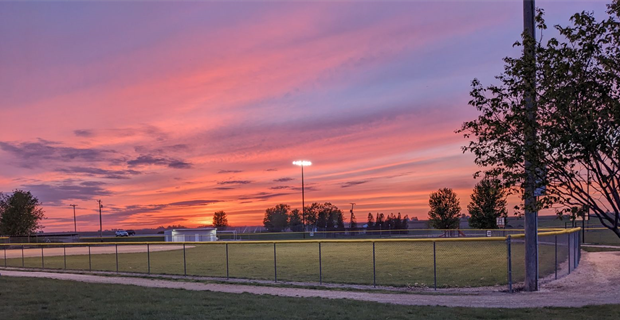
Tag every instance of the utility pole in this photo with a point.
(74, 220)
(351, 221)
(531, 213)
(100, 221)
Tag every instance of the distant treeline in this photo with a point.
(325, 217)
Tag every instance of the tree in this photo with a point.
(312, 212)
(353, 222)
(339, 221)
(488, 202)
(371, 222)
(445, 210)
(20, 213)
(276, 218)
(380, 223)
(219, 220)
(577, 114)
(294, 221)
(406, 222)
(327, 215)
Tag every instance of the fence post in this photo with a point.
(275, 267)
(42, 259)
(227, 271)
(320, 266)
(90, 267)
(374, 267)
(509, 262)
(184, 261)
(556, 257)
(148, 258)
(64, 255)
(116, 248)
(569, 248)
(435, 265)
(579, 250)
(23, 256)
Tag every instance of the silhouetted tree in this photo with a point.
(371, 222)
(353, 223)
(220, 220)
(405, 224)
(340, 221)
(445, 210)
(294, 221)
(488, 202)
(20, 213)
(576, 116)
(312, 213)
(380, 223)
(276, 218)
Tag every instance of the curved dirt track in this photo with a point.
(596, 281)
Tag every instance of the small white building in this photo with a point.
(191, 235)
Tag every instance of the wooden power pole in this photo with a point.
(531, 212)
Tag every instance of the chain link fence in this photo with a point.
(490, 263)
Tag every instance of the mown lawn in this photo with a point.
(28, 298)
(459, 264)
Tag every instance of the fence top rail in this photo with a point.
(472, 239)
(331, 231)
(391, 230)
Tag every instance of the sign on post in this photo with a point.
(501, 222)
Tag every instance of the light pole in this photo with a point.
(74, 221)
(100, 221)
(303, 163)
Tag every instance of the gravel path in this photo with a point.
(596, 281)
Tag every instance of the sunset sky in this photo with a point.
(169, 111)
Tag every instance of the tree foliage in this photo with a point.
(371, 221)
(20, 214)
(353, 221)
(577, 110)
(276, 218)
(294, 221)
(220, 220)
(445, 210)
(488, 202)
(328, 216)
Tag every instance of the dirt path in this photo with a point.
(596, 281)
(83, 250)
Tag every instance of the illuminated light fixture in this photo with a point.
(302, 164)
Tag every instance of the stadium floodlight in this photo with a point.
(302, 164)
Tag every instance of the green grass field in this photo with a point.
(27, 298)
(602, 237)
(459, 264)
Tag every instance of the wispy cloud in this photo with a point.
(98, 172)
(83, 133)
(352, 183)
(31, 154)
(148, 160)
(234, 182)
(229, 171)
(191, 203)
(57, 193)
